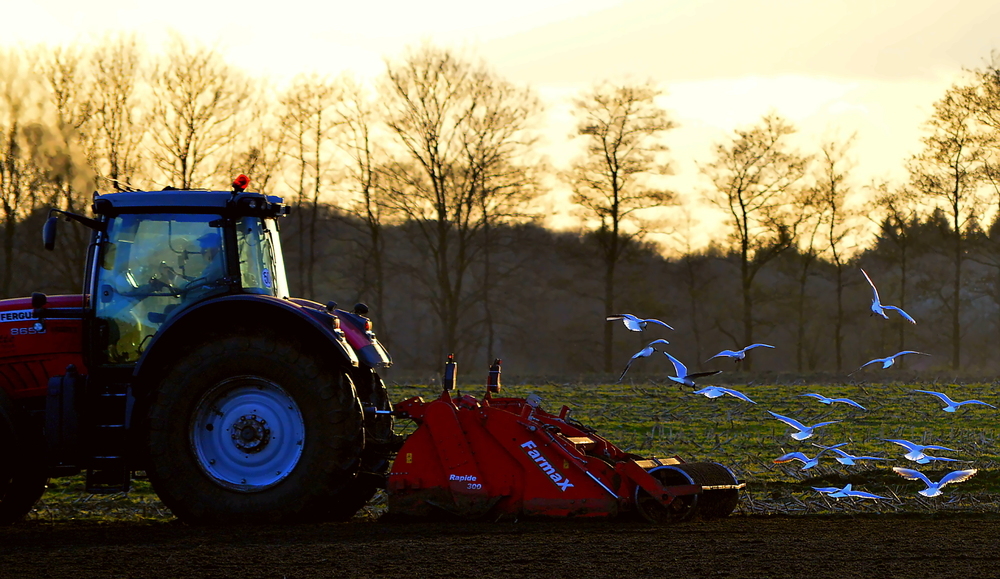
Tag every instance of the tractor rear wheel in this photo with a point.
(23, 474)
(253, 430)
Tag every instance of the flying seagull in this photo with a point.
(807, 462)
(934, 489)
(738, 355)
(643, 353)
(847, 458)
(636, 324)
(716, 391)
(878, 308)
(681, 370)
(889, 361)
(847, 491)
(951, 405)
(804, 431)
(917, 452)
(826, 400)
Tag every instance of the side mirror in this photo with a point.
(49, 233)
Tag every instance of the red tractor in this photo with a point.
(185, 359)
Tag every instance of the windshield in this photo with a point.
(150, 265)
(261, 269)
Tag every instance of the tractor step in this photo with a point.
(108, 475)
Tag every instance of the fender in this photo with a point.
(265, 311)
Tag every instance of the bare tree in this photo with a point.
(755, 178)
(359, 118)
(309, 122)
(462, 134)
(117, 71)
(16, 195)
(197, 100)
(949, 173)
(621, 126)
(831, 190)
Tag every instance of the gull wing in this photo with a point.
(864, 495)
(725, 353)
(652, 321)
(936, 447)
(817, 425)
(901, 312)
(703, 374)
(679, 369)
(819, 397)
(910, 474)
(883, 360)
(791, 456)
(627, 366)
(943, 397)
(752, 346)
(957, 476)
(874, 291)
(826, 489)
(909, 445)
(789, 421)
(974, 402)
(849, 402)
(737, 394)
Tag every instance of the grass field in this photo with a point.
(659, 418)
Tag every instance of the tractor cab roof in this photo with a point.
(226, 203)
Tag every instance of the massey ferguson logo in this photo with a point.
(17, 316)
(532, 449)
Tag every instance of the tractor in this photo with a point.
(185, 360)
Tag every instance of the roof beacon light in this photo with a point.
(240, 183)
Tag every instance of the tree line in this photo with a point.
(419, 194)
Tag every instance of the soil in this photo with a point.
(739, 546)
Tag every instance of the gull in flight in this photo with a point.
(934, 489)
(716, 391)
(878, 308)
(916, 452)
(643, 353)
(847, 458)
(847, 491)
(826, 400)
(807, 462)
(738, 355)
(951, 405)
(889, 361)
(636, 324)
(804, 431)
(681, 370)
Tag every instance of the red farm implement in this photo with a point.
(498, 457)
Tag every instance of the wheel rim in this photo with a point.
(247, 433)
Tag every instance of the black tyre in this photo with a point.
(377, 455)
(253, 429)
(680, 509)
(23, 473)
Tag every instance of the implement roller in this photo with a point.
(501, 457)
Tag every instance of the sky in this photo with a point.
(833, 67)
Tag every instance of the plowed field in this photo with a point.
(739, 546)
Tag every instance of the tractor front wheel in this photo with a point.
(253, 430)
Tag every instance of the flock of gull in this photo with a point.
(916, 453)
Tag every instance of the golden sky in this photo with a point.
(832, 67)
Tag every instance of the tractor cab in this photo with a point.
(155, 253)
(153, 265)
